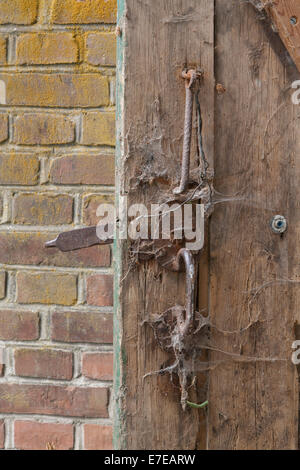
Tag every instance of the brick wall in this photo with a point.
(57, 75)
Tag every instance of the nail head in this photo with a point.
(279, 224)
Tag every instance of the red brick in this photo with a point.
(28, 248)
(56, 90)
(97, 437)
(43, 129)
(98, 366)
(45, 363)
(83, 169)
(46, 288)
(2, 365)
(79, 327)
(42, 209)
(30, 435)
(100, 290)
(18, 326)
(54, 400)
(84, 12)
(91, 203)
(2, 434)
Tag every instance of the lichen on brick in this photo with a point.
(101, 48)
(84, 12)
(46, 48)
(18, 11)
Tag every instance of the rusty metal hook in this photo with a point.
(190, 76)
(184, 256)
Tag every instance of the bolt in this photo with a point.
(279, 224)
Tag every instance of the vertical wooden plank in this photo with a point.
(160, 38)
(253, 391)
(119, 376)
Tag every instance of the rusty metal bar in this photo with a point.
(80, 238)
(190, 77)
(185, 256)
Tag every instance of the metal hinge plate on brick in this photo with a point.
(78, 239)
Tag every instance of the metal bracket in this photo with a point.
(185, 257)
(78, 239)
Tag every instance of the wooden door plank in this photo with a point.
(253, 391)
(285, 15)
(159, 38)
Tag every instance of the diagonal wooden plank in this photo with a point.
(285, 15)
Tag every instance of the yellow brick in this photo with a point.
(18, 11)
(47, 48)
(46, 288)
(91, 202)
(3, 45)
(84, 12)
(56, 90)
(98, 129)
(101, 48)
(19, 169)
(43, 129)
(42, 209)
(3, 127)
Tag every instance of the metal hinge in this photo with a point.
(79, 238)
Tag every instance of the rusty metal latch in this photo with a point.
(185, 258)
(191, 78)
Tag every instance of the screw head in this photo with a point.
(279, 224)
(293, 20)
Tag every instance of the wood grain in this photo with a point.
(253, 391)
(249, 276)
(286, 18)
(162, 37)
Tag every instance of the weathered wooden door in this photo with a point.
(248, 275)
